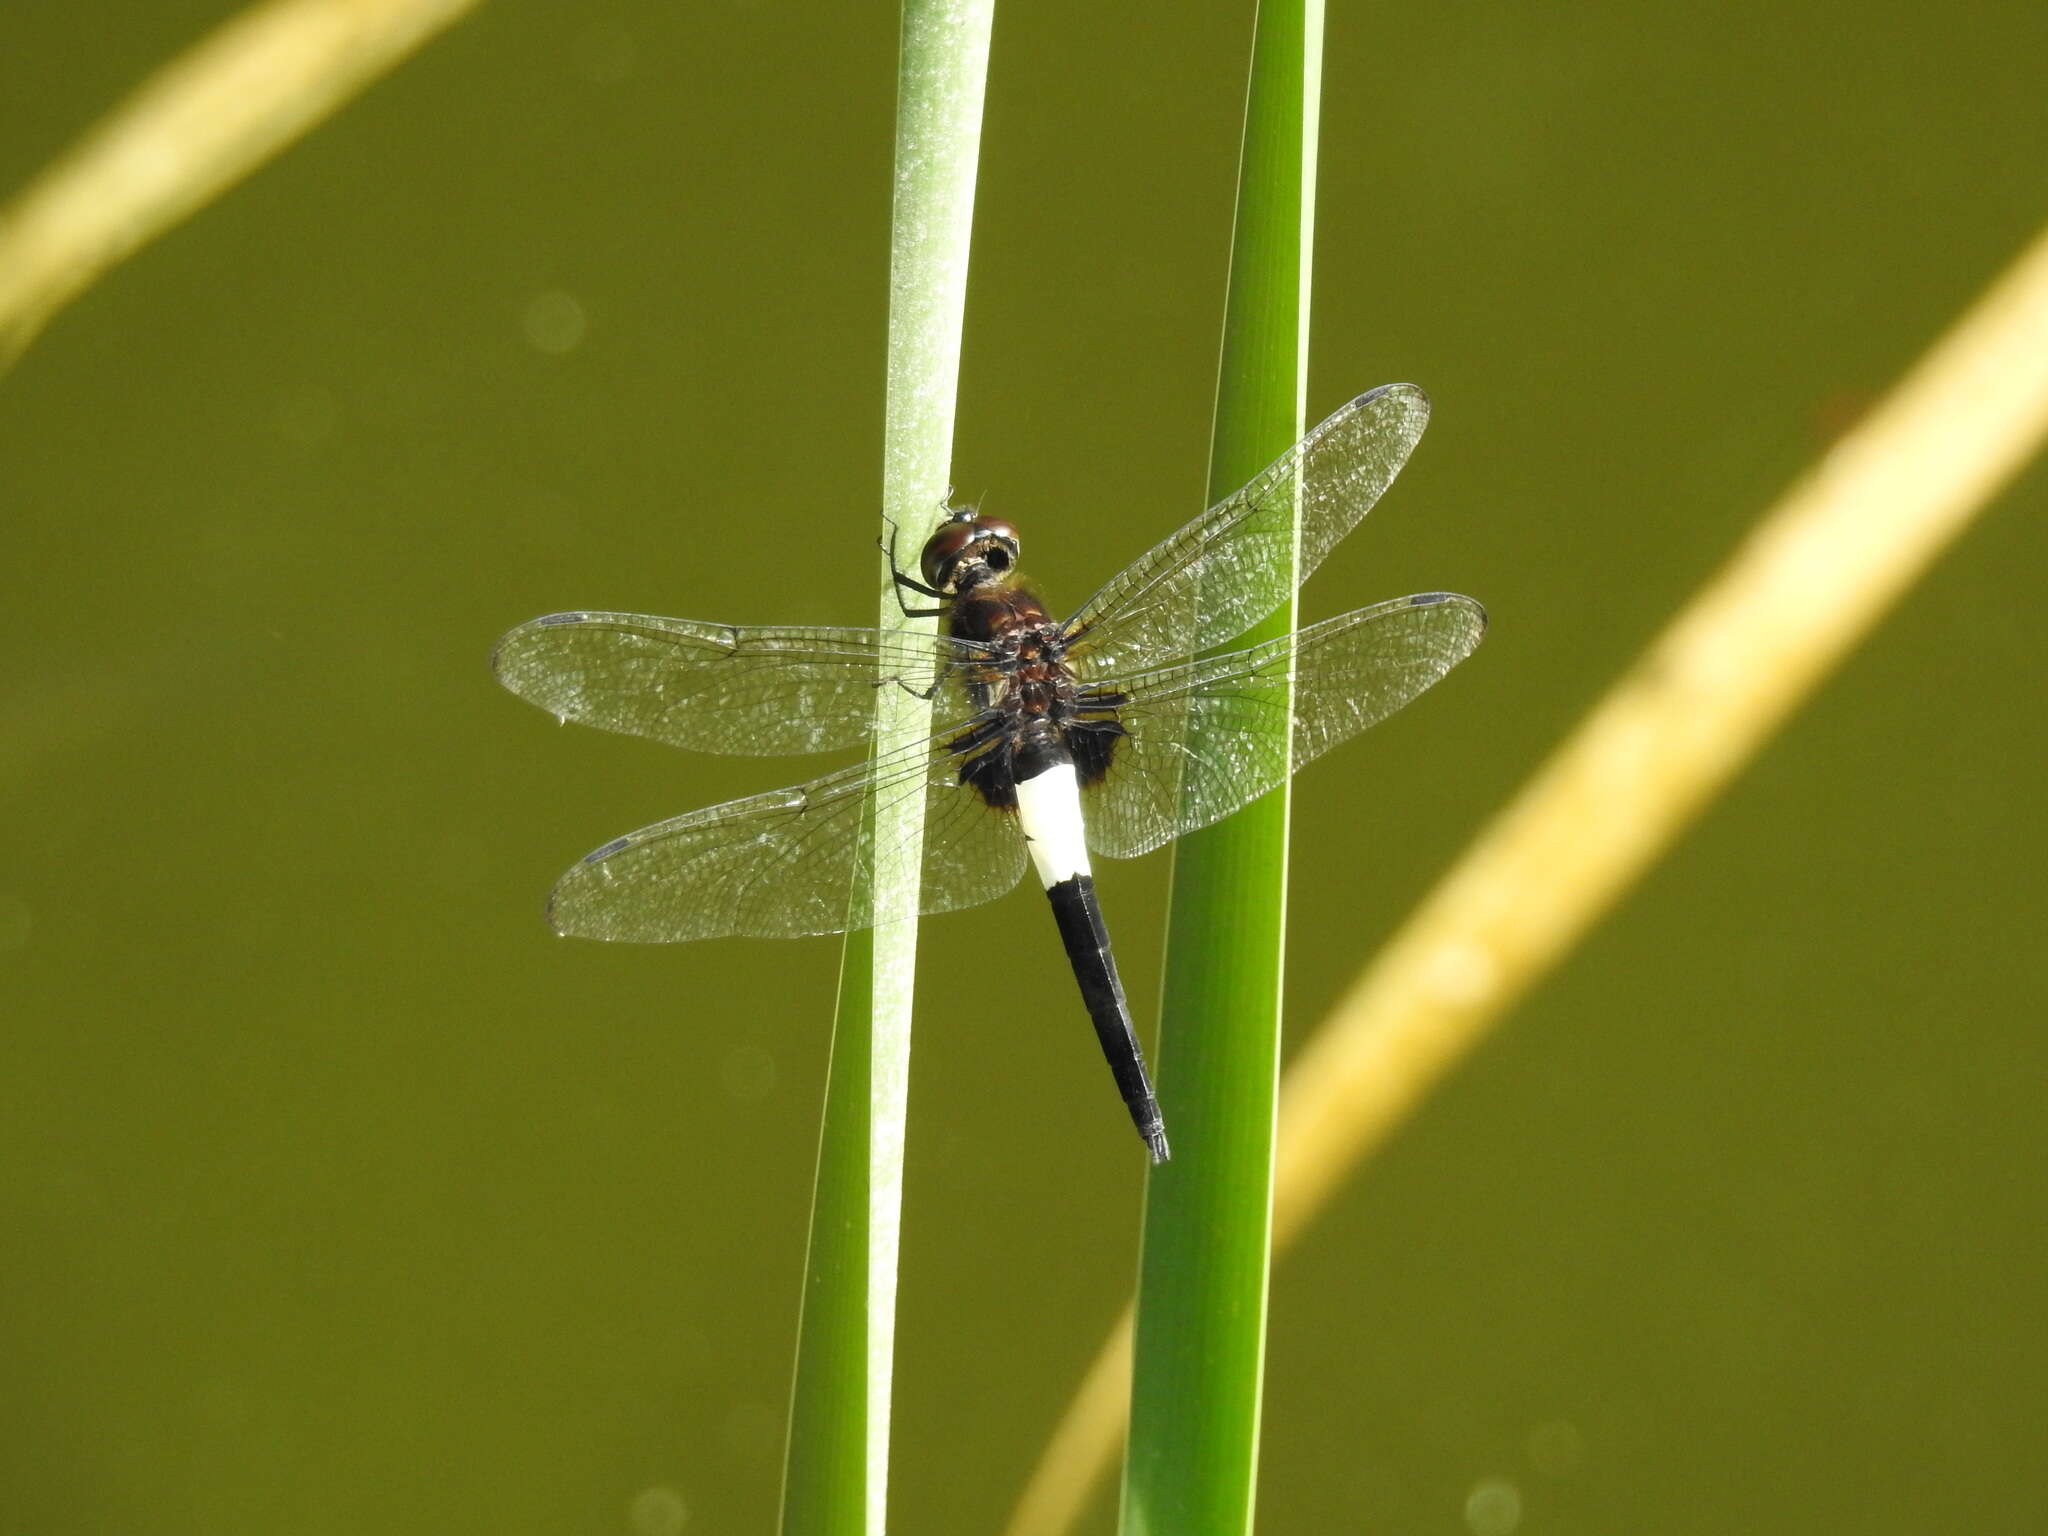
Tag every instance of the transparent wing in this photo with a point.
(1203, 737)
(781, 864)
(1217, 577)
(716, 687)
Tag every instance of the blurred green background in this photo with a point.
(339, 1196)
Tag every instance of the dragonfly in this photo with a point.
(1109, 733)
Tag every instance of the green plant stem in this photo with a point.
(835, 1477)
(1192, 1462)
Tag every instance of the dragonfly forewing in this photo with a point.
(720, 687)
(1229, 567)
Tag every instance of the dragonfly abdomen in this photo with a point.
(1086, 941)
(1049, 815)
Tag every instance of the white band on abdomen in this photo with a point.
(1049, 811)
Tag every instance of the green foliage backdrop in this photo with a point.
(339, 1196)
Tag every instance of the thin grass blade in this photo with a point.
(835, 1477)
(1200, 1351)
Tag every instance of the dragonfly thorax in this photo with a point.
(1022, 666)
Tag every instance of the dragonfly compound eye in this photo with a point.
(942, 552)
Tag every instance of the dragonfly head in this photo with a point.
(968, 550)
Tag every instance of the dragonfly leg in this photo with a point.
(916, 693)
(888, 547)
(908, 611)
